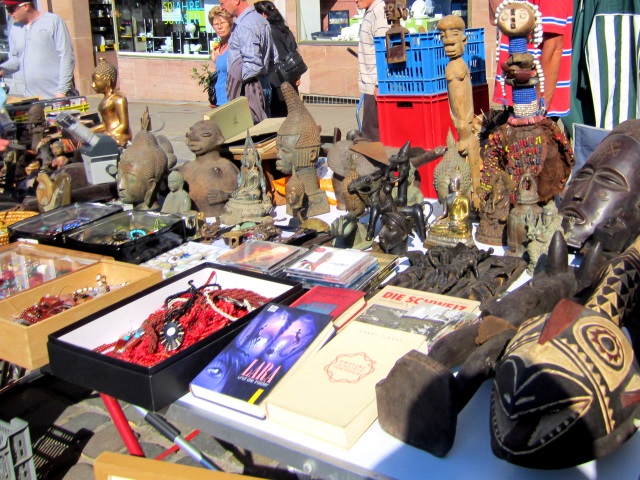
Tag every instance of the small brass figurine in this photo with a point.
(178, 200)
(454, 225)
(142, 167)
(211, 178)
(113, 108)
(494, 211)
(298, 145)
(249, 202)
(526, 207)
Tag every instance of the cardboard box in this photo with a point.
(26, 265)
(71, 350)
(28, 344)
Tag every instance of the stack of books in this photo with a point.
(329, 266)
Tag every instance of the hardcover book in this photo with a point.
(332, 395)
(429, 314)
(341, 303)
(248, 369)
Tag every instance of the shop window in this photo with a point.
(164, 27)
(339, 20)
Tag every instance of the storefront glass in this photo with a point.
(339, 20)
(163, 27)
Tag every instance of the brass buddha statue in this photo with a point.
(249, 202)
(113, 108)
(298, 146)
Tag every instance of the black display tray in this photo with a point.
(50, 227)
(166, 232)
(71, 350)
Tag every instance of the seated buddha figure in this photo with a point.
(113, 108)
(454, 225)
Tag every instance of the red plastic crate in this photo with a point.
(425, 121)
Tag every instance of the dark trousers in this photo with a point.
(370, 126)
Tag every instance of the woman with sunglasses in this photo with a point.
(45, 60)
(222, 23)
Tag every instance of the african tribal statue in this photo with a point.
(249, 202)
(460, 92)
(432, 393)
(178, 200)
(298, 145)
(528, 141)
(142, 167)
(114, 108)
(494, 211)
(36, 125)
(595, 196)
(211, 178)
(395, 11)
(567, 389)
(540, 230)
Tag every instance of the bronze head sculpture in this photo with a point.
(140, 171)
(606, 187)
(298, 150)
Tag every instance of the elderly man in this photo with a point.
(251, 56)
(45, 59)
(374, 24)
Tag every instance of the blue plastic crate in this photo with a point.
(426, 63)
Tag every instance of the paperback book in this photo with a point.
(269, 347)
(332, 395)
(341, 303)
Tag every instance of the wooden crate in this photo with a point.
(27, 345)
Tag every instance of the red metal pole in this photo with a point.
(122, 424)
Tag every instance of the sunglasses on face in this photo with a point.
(13, 8)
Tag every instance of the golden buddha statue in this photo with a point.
(113, 108)
(454, 225)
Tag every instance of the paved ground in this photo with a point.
(69, 425)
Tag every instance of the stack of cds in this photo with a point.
(332, 267)
(261, 256)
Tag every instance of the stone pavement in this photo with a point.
(69, 425)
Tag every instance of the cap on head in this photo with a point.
(12, 3)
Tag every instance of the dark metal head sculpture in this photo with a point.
(607, 186)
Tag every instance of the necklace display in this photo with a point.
(51, 305)
(184, 319)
